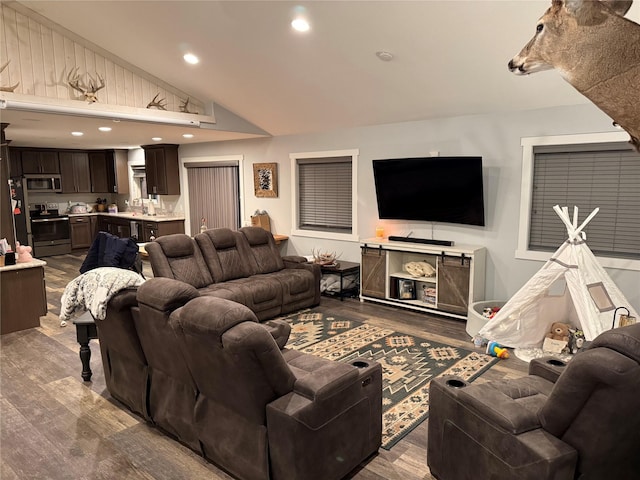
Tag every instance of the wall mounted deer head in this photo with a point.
(89, 92)
(595, 49)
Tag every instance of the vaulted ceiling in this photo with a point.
(449, 57)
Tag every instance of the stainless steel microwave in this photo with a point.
(43, 183)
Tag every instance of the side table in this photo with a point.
(343, 270)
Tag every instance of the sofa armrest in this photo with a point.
(491, 403)
(326, 381)
(165, 294)
(279, 330)
(548, 368)
(294, 259)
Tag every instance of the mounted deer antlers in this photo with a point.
(184, 107)
(10, 88)
(596, 50)
(157, 103)
(88, 91)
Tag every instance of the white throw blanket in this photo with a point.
(93, 290)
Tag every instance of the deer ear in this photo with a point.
(621, 7)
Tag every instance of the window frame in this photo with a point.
(528, 144)
(295, 198)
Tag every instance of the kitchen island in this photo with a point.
(23, 295)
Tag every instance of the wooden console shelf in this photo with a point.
(458, 280)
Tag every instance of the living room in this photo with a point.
(498, 137)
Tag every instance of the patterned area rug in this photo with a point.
(408, 362)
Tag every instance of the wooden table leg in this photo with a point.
(84, 333)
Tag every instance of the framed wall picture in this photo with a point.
(265, 179)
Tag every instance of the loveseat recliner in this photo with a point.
(575, 421)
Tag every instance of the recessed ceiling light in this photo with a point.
(187, 135)
(300, 25)
(191, 58)
(104, 129)
(156, 139)
(77, 134)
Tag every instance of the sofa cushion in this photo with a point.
(221, 255)
(261, 250)
(177, 256)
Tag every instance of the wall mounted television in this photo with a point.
(433, 189)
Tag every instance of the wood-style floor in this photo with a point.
(55, 426)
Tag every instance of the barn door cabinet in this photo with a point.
(458, 279)
(162, 170)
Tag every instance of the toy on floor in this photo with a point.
(559, 331)
(496, 350)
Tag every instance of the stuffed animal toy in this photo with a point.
(24, 253)
(559, 331)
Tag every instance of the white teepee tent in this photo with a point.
(588, 301)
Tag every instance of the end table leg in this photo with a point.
(85, 358)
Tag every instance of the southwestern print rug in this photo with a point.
(408, 362)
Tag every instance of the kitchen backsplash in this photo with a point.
(164, 205)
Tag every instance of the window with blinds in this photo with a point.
(587, 176)
(325, 194)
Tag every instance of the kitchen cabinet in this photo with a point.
(39, 161)
(162, 169)
(23, 298)
(117, 226)
(81, 233)
(75, 172)
(109, 171)
(15, 163)
(152, 230)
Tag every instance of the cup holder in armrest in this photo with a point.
(456, 383)
(556, 363)
(360, 364)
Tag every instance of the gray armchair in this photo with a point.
(575, 421)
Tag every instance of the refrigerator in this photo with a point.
(20, 209)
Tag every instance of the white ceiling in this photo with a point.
(450, 59)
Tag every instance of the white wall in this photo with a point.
(495, 137)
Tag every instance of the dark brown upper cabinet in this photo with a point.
(39, 161)
(162, 170)
(75, 172)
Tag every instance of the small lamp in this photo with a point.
(379, 232)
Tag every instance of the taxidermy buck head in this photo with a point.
(595, 49)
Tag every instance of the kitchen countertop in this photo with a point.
(21, 266)
(132, 216)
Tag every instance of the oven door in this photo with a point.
(51, 236)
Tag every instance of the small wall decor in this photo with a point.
(265, 179)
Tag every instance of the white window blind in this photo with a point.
(587, 176)
(325, 194)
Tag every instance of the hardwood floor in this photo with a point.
(55, 426)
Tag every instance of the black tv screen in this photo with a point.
(434, 189)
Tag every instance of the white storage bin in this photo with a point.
(475, 319)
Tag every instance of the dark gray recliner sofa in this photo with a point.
(244, 266)
(579, 421)
(214, 378)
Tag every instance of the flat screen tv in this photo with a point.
(433, 189)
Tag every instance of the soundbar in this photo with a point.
(428, 241)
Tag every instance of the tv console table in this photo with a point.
(459, 278)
